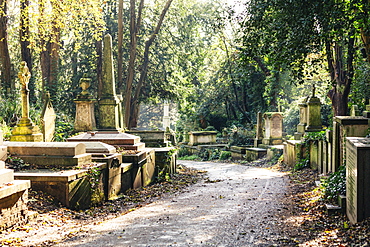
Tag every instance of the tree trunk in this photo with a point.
(135, 102)
(4, 49)
(120, 47)
(341, 74)
(134, 29)
(24, 36)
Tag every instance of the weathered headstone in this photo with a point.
(48, 117)
(273, 128)
(109, 102)
(302, 119)
(85, 117)
(313, 113)
(366, 113)
(25, 131)
(358, 178)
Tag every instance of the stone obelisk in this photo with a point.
(108, 102)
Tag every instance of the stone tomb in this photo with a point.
(151, 138)
(141, 171)
(202, 137)
(358, 178)
(13, 194)
(64, 170)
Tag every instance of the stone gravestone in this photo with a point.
(48, 117)
(355, 111)
(302, 119)
(25, 131)
(85, 117)
(259, 130)
(313, 113)
(108, 102)
(358, 178)
(273, 128)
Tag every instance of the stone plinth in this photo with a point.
(26, 131)
(346, 126)
(45, 154)
(202, 137)
(85, 117)
(358, 178)
(273, 128)
(122, 140)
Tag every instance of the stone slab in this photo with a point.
(108, 137)
(15, 187)
(46, 148)
(99, 148)
(6, 176)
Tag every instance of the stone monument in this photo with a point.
(48, 117)
(366, 113)
(273, 128)
(358, 178)
(109, 102)
(85, 117)
(25, 131)
(313, 113)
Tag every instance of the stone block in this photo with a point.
(127, 175)
(292, 152)
(252, 154)
(99, 148)
(148, 168)
(358, 178)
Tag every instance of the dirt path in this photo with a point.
(236, 205)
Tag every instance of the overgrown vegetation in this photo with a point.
(335, 184)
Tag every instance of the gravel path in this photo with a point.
(236, 205)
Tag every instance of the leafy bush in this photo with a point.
(225, 155)
(189, 157)
(63, 128)
(305, 145)
(335, 184)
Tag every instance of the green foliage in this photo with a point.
(225, 155)
(16, 163)
(189, 157)
(309, 137)
(63, 128)
(335, 184)
(10, 109)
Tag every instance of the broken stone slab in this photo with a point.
(115, 138)
(50, 153)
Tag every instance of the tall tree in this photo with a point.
(6, 81)
(131, 107)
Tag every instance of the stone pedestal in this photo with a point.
(358, 178)
(85, 117)
(26, 131)
(273, 128)
(302, 119)
(202, 137)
